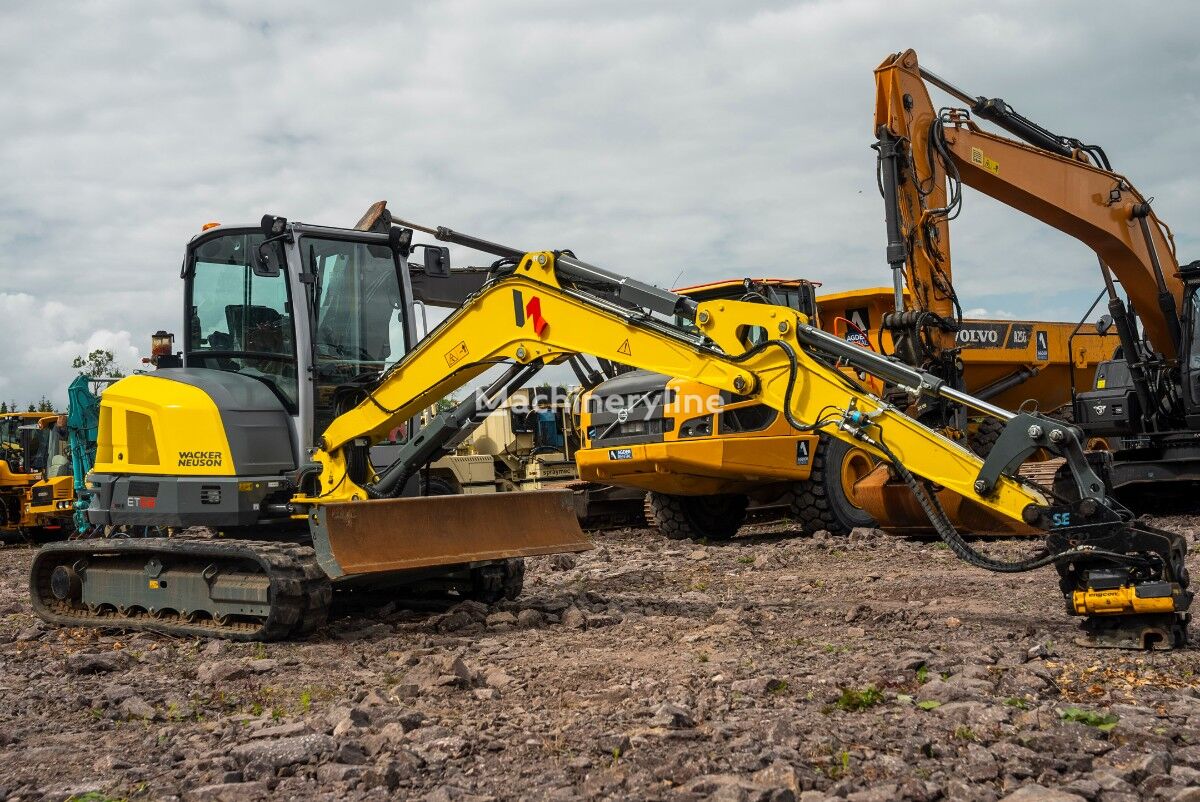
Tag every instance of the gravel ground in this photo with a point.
(769, 668)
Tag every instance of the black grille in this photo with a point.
(43, 495)
(210, 494)
(143, 489)
(650, 399)
(753, 418)
(632, 430)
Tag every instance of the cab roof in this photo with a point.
(731, 283)
(33, 416)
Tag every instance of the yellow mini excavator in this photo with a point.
(295, 363)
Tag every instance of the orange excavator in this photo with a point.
(1145, 401)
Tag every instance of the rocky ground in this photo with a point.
(770, 668)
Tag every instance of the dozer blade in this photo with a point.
(405, 534)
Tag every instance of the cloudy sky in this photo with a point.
(679, 141)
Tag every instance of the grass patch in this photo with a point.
(1017, 702)
(1101, 721)
(965, 733)
(923, 674)
(929, 704)
(747, 560)
(857, 701)
(842, 768)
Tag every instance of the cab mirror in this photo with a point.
(437, 261)
(1104, 324)
(267, 263)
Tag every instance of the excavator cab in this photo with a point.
(337, 319)
(1149, 426)
(1190, 356)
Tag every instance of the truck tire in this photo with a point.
(716, 517)
(823, 501)
(437, 486)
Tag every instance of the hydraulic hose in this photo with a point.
(961, 549)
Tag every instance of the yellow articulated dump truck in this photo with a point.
(21, 455)
(705, 457)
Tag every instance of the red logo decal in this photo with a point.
(533, 310)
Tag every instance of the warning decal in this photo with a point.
(990, 165)
(456, 354)
(624, 349)
(802, 449)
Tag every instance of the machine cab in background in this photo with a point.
(1190, 347)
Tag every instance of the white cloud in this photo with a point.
(982, 313)
(44, 337)
(707, 138)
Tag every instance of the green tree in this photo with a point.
(45, 405)
(3, 407)
(32, 408)
(98, 364)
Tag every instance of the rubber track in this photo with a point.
(300, 591)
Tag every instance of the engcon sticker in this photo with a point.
(456, 354)
(620, 453)
(199, 459)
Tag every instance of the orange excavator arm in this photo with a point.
(925, 156)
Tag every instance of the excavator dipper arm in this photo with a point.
(500, 325)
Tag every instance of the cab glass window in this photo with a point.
(240, 321)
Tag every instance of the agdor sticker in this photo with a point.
(1043, 344)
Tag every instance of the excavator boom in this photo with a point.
(1050, 178)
